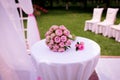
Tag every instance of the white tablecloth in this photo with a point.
(68, 65)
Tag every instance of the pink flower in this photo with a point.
(51, 30)
(50, 45)
(52, 35)
(47, 38)
(68, 43)
(55, 50)
(57, 39)
(66, 32)
(62, 27)
(61, 49)
(58, 32)
(54, 27)
(63, 38)
(51, 42)
(61, 44)
(55, 46)
(80, 47)
(47, 33)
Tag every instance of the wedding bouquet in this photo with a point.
(58, 38)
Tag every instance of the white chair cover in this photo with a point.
(15, 64)
(114, 31)
(103, 26)
(97, 13)
(32, 28)
(26, 5)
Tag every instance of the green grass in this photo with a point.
(74, 20)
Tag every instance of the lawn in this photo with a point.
(74, 20)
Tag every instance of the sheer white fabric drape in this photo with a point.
(32, 31)
(32, 28)
(13, 15)
(15, 64)
(26, 5)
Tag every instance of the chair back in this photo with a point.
(111, 15)
(30, 30)
(22, 20)
(97, 13)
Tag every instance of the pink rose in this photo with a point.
(55, 50)
(66, 32)
(57, 39)
(47, 38)
(47, 33)
(52, 35)
(63, 38)
(54, 27)
(61, 44)
(55, 46)
(61, 49)
(51, 41)
(51, 30)
(50, 45)
(62, 27)
(80, 47)
(68, 43)
(58, 32)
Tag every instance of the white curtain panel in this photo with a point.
(11, 10)
(32, 29)
(15, 64)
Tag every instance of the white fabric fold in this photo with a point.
(26, 5)
(32, 30)
(15, 64)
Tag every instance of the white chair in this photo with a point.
(30, 31)
(102, 27)
(114, 32)
(97, 13)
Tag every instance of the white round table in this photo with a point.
(68, 65)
